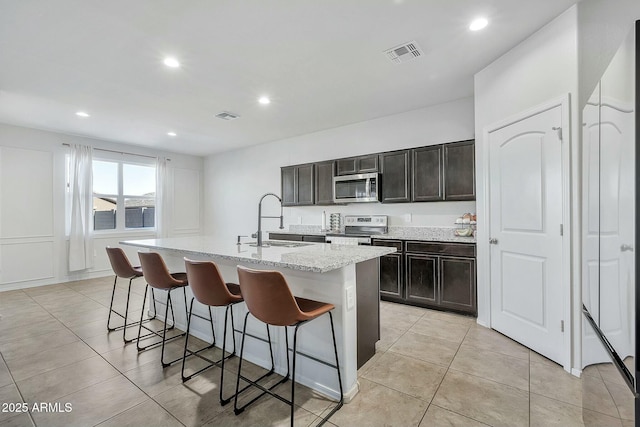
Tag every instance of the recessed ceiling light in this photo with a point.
(478, 24)
(264, 100)
(171, 62)
(82, 114)
(172, 133)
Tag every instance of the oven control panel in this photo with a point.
(365, 220)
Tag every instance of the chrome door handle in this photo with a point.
(493, 241)
(626, 248)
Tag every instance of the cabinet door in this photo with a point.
(426, 173)
(395, 176)
(305, 189)
(324, 182)
(346, 166)
(422, 279)
(458, 283)
(391, 277)
(288, 184)
(367, 164)
(459, 171)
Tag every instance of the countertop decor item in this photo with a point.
(465, 225)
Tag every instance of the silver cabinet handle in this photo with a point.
(626, 248)
(493, 241)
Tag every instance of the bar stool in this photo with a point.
(122, 268)
(158, 277)
(210, 289)
(269, 299)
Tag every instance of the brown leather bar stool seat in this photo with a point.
(123, 269)
(210, 289)
(269, 299)
(157, 275)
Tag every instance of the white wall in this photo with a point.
(541, 68)
(602, 26)
(33, 245)
(568, 55)
(234, 181)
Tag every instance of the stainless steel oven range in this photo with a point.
(358, 230)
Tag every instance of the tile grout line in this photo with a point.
(17, 388)
(445, 374)
(98, 354)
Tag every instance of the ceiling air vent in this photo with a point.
(225, 115)
(405, 52)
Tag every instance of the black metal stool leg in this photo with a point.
(255, 383)
(126, 313)
(186, 340)
(224, 345)
(237, 410)
(163, 336)
(164, 330)
(144, 302)
(113, 293)
(335, 352)
(293, 374)
(153, 299)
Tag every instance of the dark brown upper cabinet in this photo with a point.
(395, 178)
(426, 165)
(459, 171)
(360, 164)
(325, 172)
(297, 185)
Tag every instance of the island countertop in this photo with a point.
(313, 257)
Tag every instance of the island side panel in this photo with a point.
(314, 338)
(368, 308)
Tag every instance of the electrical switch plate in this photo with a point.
(351, 298)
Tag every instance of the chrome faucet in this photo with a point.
(258, 234)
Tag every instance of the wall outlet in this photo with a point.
(351, 297)
(406, 218)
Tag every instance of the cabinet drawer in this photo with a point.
(312, 238)
(286, 236)
(459, 249)
(389, 243)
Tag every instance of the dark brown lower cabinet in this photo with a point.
(391, 271)
(391, 286)
(422, 279)
(458, 283)
(429, 274)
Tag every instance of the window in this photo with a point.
(124, 195)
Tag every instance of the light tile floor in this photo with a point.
(430, 369)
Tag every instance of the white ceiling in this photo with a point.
(321, 62)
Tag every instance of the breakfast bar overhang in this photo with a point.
(343, 275)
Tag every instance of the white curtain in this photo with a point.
(81, 188)
(163, 212)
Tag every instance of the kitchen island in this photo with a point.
(343, 275)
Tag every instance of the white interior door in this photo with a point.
(525, 173)
(617, 227)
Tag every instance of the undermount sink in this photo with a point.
(282, 243)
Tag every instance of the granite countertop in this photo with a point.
(426, 234)
(313, 257)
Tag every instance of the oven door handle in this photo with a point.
(367, 187)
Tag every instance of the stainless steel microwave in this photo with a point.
(356, 188)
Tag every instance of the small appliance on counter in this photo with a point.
(358, 229)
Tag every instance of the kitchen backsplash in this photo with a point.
(441, 214)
